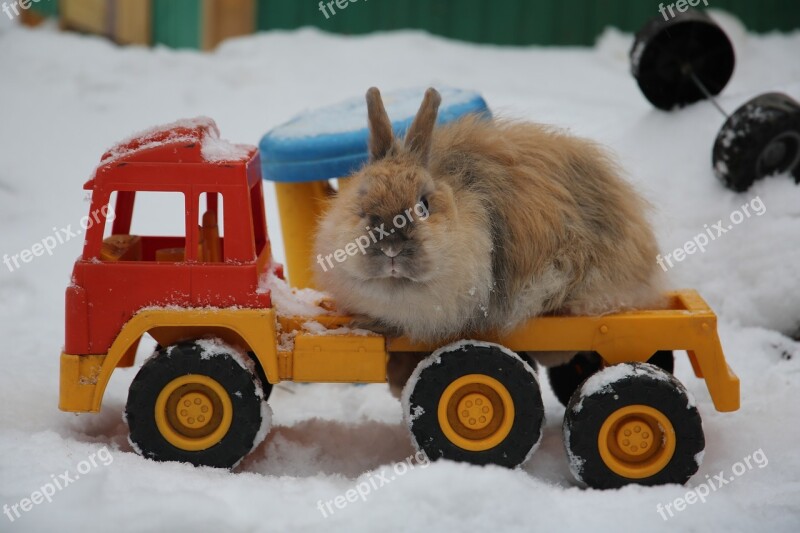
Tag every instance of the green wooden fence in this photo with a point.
(510, 22)
(514, 22)
(48, 8)
(177, 23)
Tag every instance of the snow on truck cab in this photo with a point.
(228, 327)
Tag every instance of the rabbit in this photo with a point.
(503, 221)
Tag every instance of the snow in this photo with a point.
(159, 136)
(67, 98)
(602, 381)
(636, 56)
(314, 327)
(698, 458)
(216, 347)
(216, 150)
(350, 115)
(290, 301)
(575, 462)
(183, 131)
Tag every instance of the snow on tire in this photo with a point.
(200, 402)
(632, 423)
(565, 379)
(759, 139)
(474, 402)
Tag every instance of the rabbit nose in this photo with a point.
(390, 251)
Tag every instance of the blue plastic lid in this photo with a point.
(331, 142)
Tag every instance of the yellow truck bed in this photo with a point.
(333, 353)
(688, 323)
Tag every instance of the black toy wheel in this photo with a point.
(760, 139)
(666, 54)
(565, 379)
(632, 423)
(663, 359)
(478, 403)
(199, 402)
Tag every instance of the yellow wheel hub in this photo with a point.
(636, 441)
(632, 439)
(476, 412)
(194, 409)
(193, 412)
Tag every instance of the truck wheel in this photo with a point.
(565, 379)
(667, 53)
(199, 402)
(760, 139)
(474, 402)
(632, 423)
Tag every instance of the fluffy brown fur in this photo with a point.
(524, 220)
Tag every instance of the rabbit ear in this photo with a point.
(420, 134)
(381, 136)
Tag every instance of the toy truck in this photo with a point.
(205, 297)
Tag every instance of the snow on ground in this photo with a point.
(65, 99)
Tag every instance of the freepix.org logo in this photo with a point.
(373, 236)
(57, 483)
(12, 8)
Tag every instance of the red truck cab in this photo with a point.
(120, 274)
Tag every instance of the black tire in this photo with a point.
(565, 379)
(525, 356)
(601, 398)
(663, 359)
(665, 54)
(244, 392)
(266, 386)
(435, 374)
(760, 139)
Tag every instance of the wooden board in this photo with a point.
(132, 21)
(85, 15)
(226, 18)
